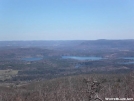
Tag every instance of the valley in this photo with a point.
(24, 65)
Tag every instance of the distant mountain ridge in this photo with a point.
(119, 44)
(78, 44)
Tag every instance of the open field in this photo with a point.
(7, 74)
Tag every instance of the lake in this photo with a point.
(128, 58)
(127, 63)
(82, 58)
(32, 59)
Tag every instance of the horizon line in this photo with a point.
(67, 40)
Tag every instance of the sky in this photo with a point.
(66, 19)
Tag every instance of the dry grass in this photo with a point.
(7, 74)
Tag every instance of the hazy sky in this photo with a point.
(66, 19)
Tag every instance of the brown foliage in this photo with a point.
(72, 89)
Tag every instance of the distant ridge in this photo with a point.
(102, 43)
(76, 44)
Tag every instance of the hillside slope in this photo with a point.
(72, 88)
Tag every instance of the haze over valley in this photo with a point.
(66, 50)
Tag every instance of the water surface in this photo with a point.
(82, 58)
(128, 58)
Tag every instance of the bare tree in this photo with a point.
(93, 88)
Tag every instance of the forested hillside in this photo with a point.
(72, 88)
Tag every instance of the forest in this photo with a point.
(66, 70)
